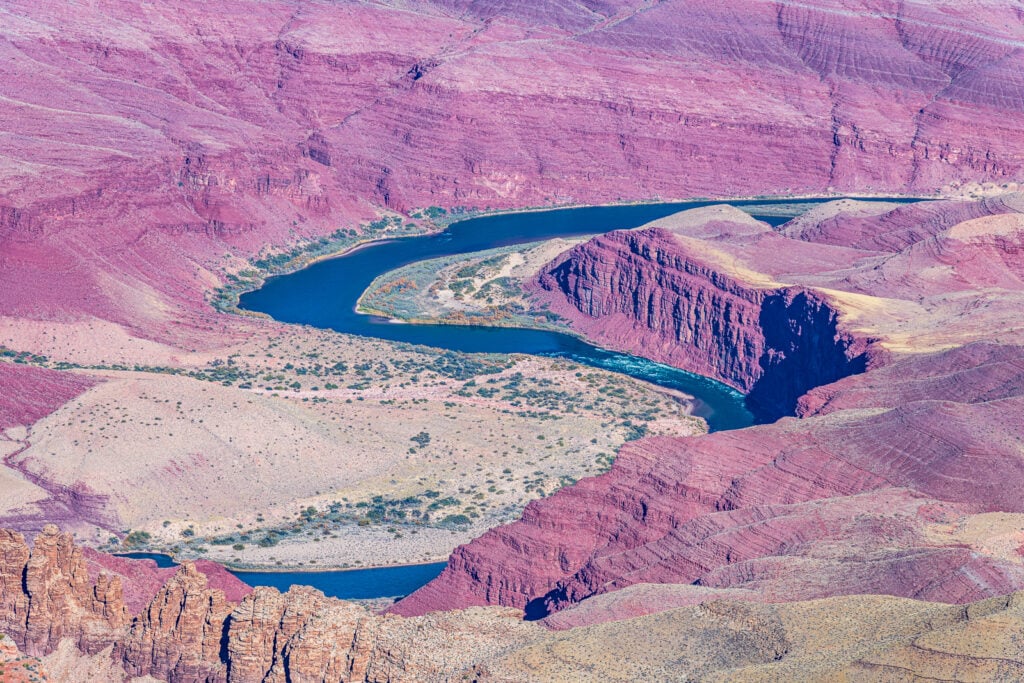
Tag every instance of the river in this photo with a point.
(325, 295)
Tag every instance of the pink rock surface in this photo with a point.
(29, 393)
(144, 142)
(838, 502)
(141, 579)
(637, 291)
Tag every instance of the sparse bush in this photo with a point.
(137, 538)
(455, 520)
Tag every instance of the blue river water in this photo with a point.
(347, 584)
(325, 295)
(352, 584)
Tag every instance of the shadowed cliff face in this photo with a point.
(644, 294)
(804, 349)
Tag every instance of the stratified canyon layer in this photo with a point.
(144, 142)
(148, 150)
(891, 331)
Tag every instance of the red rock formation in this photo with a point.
(842, 501)
(49, 596)
(180, 634)
(636, 290)
(144, 142)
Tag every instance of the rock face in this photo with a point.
(142, 579)
(301, 635)
(637, 288)
(296, 634)
(189, 632)
(915, 430)
(198, 129)
(179, 636)
(47, 596)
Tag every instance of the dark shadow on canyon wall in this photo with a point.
(803, 349)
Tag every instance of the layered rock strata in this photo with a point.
(638, 288)
(147, 142)
(868, 492)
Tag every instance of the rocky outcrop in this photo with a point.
(142, 579)
(637, 290)
(189, 632)
(49, 596)
(301, 635)
(296, 636)
(180, 636)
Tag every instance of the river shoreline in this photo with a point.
(299, 263)
(236, 569)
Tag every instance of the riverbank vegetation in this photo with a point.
(480, 288)
(311, 448)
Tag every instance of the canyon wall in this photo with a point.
(149, 141)
(868, 493)
(637, 292)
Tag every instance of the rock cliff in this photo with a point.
(190, 632)
(47, 596)
(636, 289)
